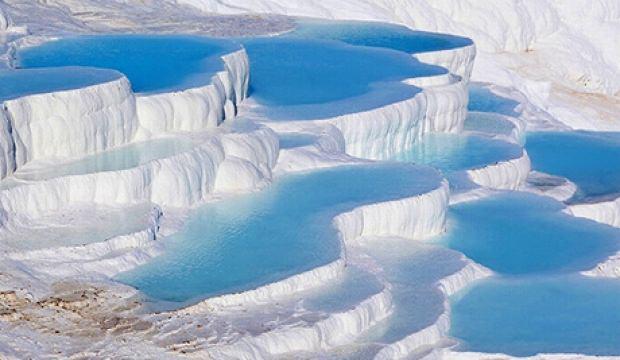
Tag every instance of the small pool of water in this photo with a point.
(482, 99)
(312, 79)
(522, 317)
(589, 159)
(150, 62)
(251, 240)
(488, 123)
(376, 34)
(452, 152)
(520, 233)
(18, 83)
(122, 158)
(293, 140)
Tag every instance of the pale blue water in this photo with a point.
(482, 99)
(300, 79)
(255, 239)
(452, 152)
(590, 160)
(121, 158)
(520, 233)
(293, 140)
(152, 63)
(523, 317)
(375, 34)
(413, 269)
(488, 123)
(18, 83)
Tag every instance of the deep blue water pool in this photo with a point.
(589, 159)
(520, 233)
(152, 63)
(18, 83)
(522, 317)
(255, 239)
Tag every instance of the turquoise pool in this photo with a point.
(252, 240)
(589, 159)
(526, 316)
(520, 233)
(452, 152)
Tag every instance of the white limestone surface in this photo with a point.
(505, 175)
(70, 123)
(605, 212)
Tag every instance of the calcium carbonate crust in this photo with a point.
(66, 124)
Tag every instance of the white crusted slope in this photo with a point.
(509, 174)
(72, 123)
(606, 212)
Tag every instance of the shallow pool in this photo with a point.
(294, 140)
(452, 152)
(522, 317)
(520, 233)
(150, 62)
(18, 83)
(251, 240)
(590, 160)
(121, 158)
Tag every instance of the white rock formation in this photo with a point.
(606, 212)
(182, 180)
(506, 175)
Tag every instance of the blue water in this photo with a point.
(413, 269)
(484, 100)
(121, 158)
(590, 160)
(18, 83)
(488, 123)
(255, 239)
(151, 63)
(290, 75)
(452, 152)
(520, 233)
(523, 317)
(377, 34)
(293, 140)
